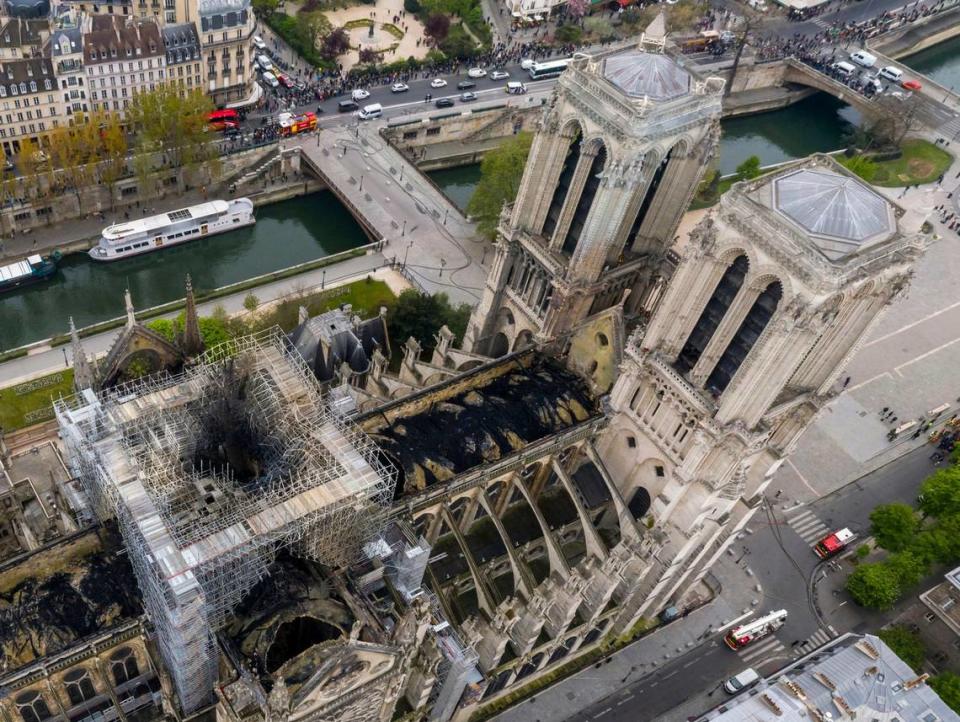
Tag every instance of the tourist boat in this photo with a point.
(30, 270)
(143, 235)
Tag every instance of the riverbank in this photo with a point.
(79, 235)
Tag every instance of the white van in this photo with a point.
(844, 69)
(516, 88)
(891, 73)
(270, 79)
(258, 43)
(368, 112)
(265, 63)
(746, 679)
(863, 58)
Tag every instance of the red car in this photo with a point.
(284, 80)
(911, 85)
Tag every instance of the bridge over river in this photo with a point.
(398, 204)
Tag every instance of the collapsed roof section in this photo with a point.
(210, 473)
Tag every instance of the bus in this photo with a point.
(223, 119)
(291, 124)
(744, 634)
(550, 69)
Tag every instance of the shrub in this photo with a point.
(251, 302)
(874, 586)
(412, 6)
(750, 168)
(568, 34)
(863, 551)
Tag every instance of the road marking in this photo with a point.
(803, 478)
(692, 661)
(668, 676)
(764, 647)
(911, 325)
(624, 700)
(598, 715)
(924, 355)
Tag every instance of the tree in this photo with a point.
(908, 567)
(568, 34)
(947, 686)
(113, 141)
(940, 493)
(578, 8)
(750, 168)
(437, 28)
(412, 6)
(313, 27)
(874, 586)
(173, 125)
(500, 175)
(861, 166)
(264, 8)
(631, 16)
(905, 644)
(421, 316)
(893, 525)
(368, 55)
(599, 26)
(335, 44)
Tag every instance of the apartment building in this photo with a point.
(182, 45)
(66, 51)
(226, 30)
(122, 57)
(22, 38)
(29, 102)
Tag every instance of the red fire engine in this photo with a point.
(291, 124)
(834, 543)
(757, 629)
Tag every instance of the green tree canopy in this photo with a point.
(947, 685)
(874, 586)
(893, 526)
(421, 316)
(905, 644)
(908, 567)
(176, 126)
(750, 168)
(500, 175)
(940, 493)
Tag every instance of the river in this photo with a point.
(286, 233)
(941, 62)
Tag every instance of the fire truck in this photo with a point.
(759, 628)
(834, 543)
(291, 124)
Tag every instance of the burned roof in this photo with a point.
(55, 597)
(480, 417)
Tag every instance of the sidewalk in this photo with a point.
(642, 658)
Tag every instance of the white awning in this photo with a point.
(253, 98)
(801, 4)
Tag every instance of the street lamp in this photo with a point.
(361, 183)
(443, 263)
(409, 246)
(323, 279)
(445, 212)
(404, 231)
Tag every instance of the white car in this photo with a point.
(270, 79)
(399, 88)
(476, 73)
(527, 63)
(360, 94)
(499, 75)
(438, 83)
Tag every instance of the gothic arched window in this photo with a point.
(123, 664)
(563, 186)
(585, 202)
(79, 686)
(31, 707)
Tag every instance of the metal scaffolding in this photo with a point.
(198, 537)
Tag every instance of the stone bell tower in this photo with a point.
(619, 153)
(775, 291)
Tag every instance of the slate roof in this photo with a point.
(332, 338)
(111, 37)
(653, 75)
(182, 43)
(841, 213)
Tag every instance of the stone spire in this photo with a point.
(128, 301)
(83, 374)
(192, 342)
(655, 36)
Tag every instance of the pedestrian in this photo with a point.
(846, 382)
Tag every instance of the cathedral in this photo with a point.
(315, 536)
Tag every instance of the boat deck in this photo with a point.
(20, 269)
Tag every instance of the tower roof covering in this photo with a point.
(841, 213)
(640, 74)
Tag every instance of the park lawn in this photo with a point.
(366, 296)
(921, 162)
(34, 402)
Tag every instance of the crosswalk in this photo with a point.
(821, 23)
(808, 527)
(818, 639)
(761, 651)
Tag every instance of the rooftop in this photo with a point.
(496, 411)
(652, 75)
(856, 678)
(55, 597)
(841, 213)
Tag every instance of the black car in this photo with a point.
(345, 106)
(444, 103)
(466, 85)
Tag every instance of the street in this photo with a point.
(777, 554)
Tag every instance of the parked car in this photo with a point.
(527, 63)
(744, 680)
(264, 63)
(284, 80)
(438, 83)
(444, 102)
(499, 75)
(258, 43)
(345, 106)
(466, 85)
(360, 94)
(891, 73)
(399, 88)
(476, 73)
(270, 79)
(467, 97)
(863, 58)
